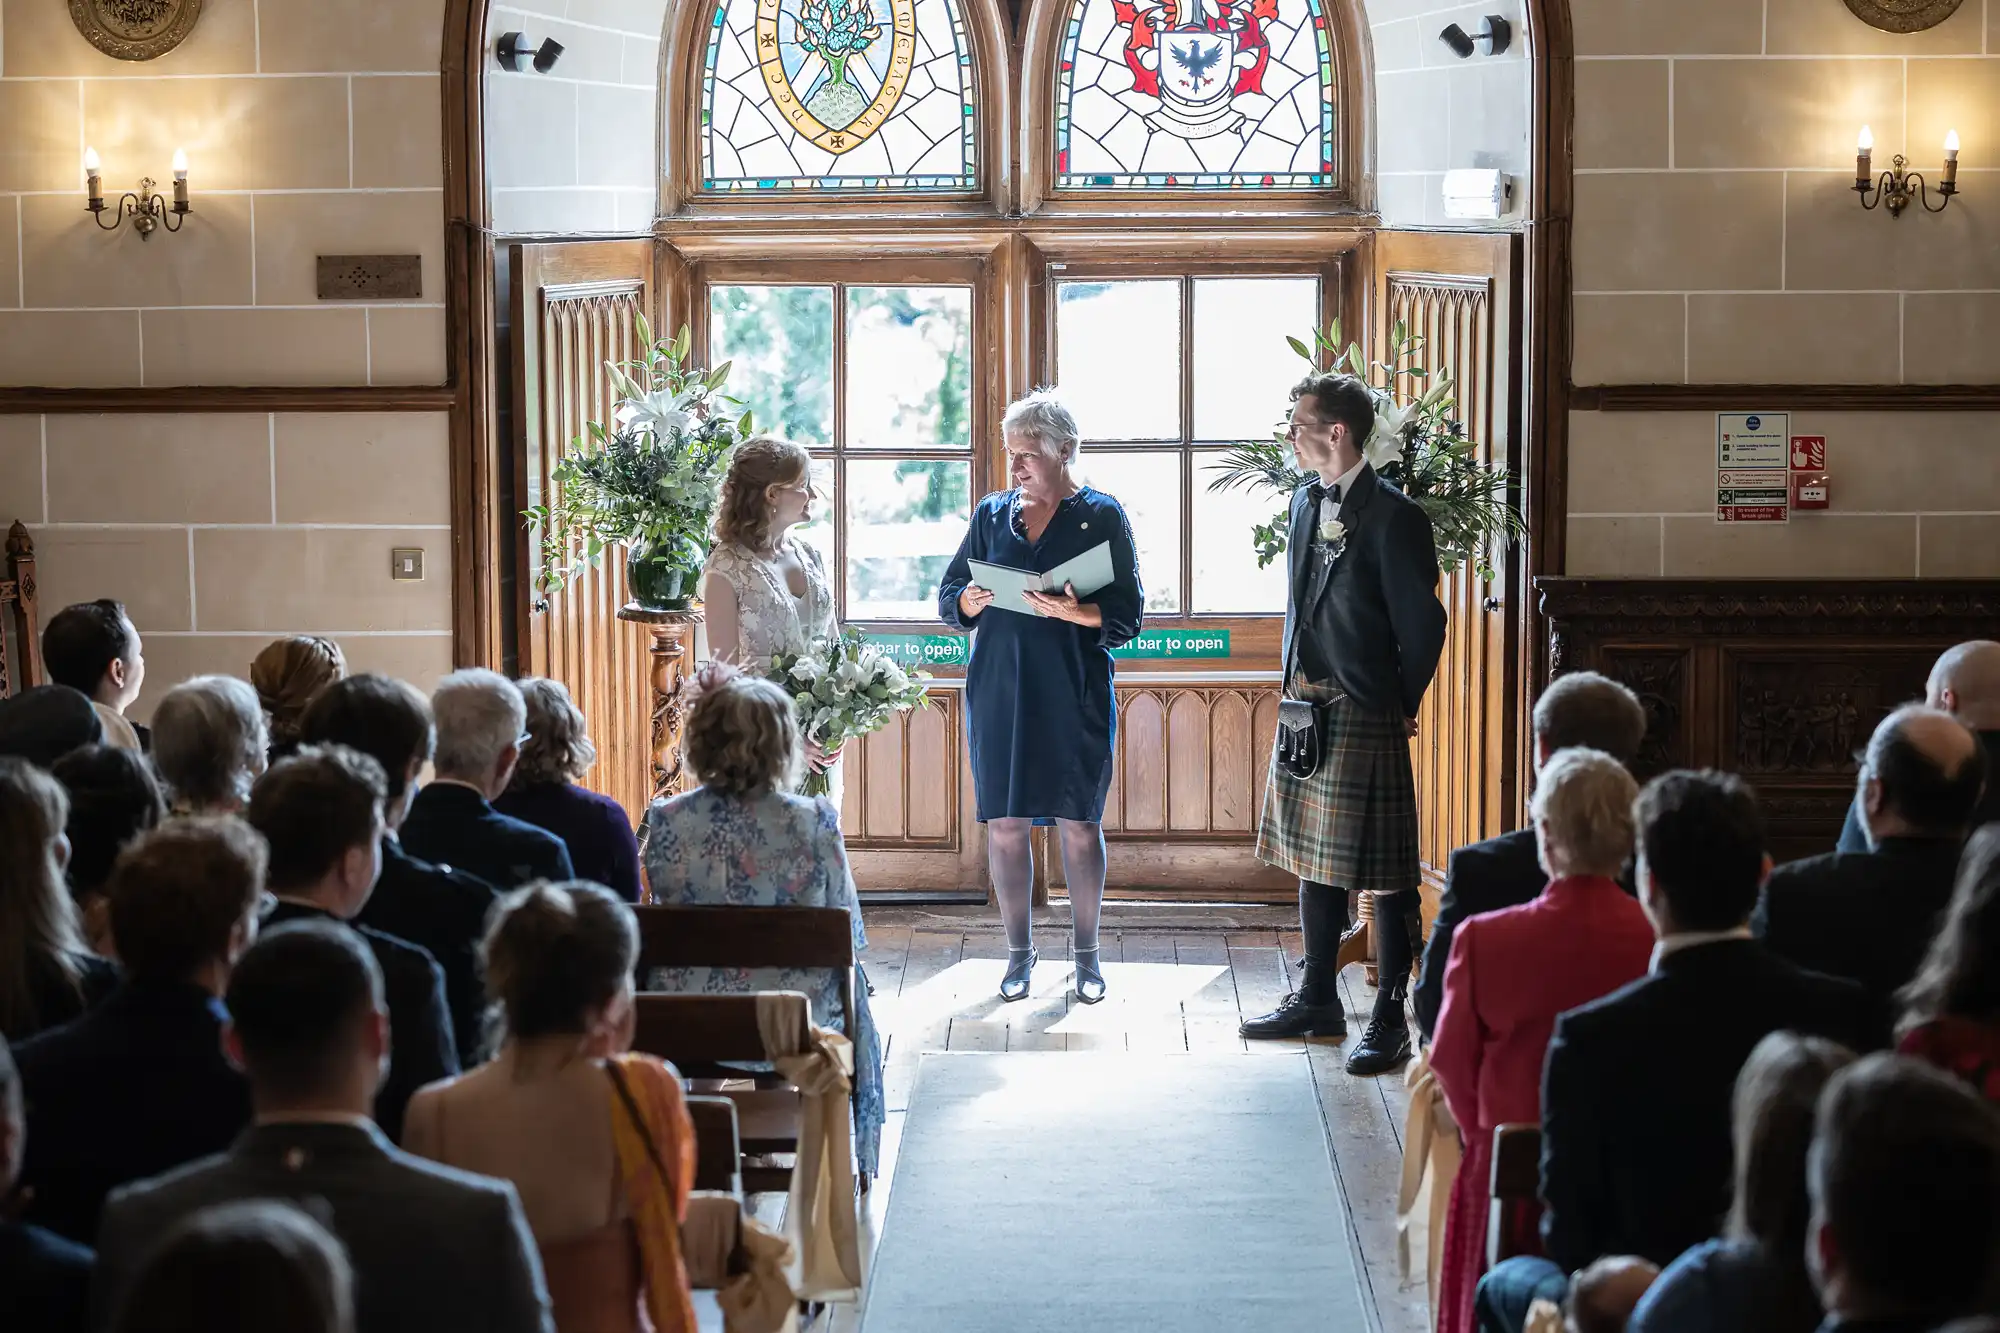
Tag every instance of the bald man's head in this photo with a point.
(1966, 683)
(1923, 775)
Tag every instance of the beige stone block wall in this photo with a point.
(1914, 494)
(222, 531)
(575, 150)
(1435, 112)
(310, 128)
(1718, 240)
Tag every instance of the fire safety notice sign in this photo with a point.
(1752, 467)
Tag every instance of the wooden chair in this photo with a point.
(21, 665)
(1513, 1224)
(718, 1147)
(746, 937)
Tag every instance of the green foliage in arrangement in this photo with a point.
(1418, 445)
(652, 477)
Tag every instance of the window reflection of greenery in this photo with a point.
(780, 340)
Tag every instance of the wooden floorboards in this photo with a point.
(934, 975)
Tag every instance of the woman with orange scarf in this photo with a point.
(596, 1139)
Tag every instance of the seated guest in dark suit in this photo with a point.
(243, 1268)
(481, 725)
(44, 1279)
(1904, 1176)
(1965, 682)
(1636, 1091)
(209, 744)
(1951, 1011)
(113, 798)
(435, 907)
(47, 975)
(1581, 710)
(1754, 1279)
(288, 675)
(184, 900)
(93, 648)
(1869, 916)
(321, 812)
(432, 1248)
(45, 722)
(597, 830)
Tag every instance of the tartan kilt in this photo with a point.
(1352, 824)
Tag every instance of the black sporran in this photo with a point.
(1301, 741)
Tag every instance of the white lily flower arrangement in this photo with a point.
(650, 481)
(843, 688)
(1417, 445)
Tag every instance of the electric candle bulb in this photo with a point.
(91, 166)
(1864, 148)
(180, 164)
(1866, 143)
(1951, 160)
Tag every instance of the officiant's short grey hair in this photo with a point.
(1042, 419)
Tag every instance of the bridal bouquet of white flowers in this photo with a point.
(842, 688)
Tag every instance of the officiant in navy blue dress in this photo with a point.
(1038, 690)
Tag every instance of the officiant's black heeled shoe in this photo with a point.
(1089, 975)
(1020, 962)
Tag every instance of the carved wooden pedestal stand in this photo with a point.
(1358, 944)
(669, 679)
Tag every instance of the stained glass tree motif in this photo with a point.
(838, 95)
(1195, 94)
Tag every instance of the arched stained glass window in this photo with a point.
(1195, 94)
(838, 95)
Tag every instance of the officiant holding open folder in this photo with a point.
(1047, 579)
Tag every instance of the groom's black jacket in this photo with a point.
(1370, 622)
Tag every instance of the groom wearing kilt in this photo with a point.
(1363, 632)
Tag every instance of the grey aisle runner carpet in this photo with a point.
(1073, 1193)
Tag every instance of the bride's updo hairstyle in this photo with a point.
(743, 518)
(742, 738)
(555, 954)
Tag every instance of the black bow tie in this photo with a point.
(1318, 492)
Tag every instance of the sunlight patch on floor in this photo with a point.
(1139, 992)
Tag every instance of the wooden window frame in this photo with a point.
(1331, 307)
(1012, 266)
(839, 274)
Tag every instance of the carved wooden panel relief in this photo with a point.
(1778, 680)
(1661, 681)
(1797, 714)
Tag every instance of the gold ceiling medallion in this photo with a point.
(135, 29)
(1903, 15)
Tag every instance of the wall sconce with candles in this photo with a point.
(1898, 186)
(146, 209)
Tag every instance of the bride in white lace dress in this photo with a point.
(764, 590)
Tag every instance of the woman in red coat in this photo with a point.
(1512, 971)
(1951, 1011)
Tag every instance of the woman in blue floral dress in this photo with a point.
(744, 839)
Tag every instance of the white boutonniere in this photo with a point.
(1332, 531)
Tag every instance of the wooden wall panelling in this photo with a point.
(908, 812)
(1779, 681)
(1456, 294)
(575, 306)
(1186, 789)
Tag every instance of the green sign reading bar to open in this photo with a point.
(955, 650)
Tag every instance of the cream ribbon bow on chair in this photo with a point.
(820, 1217)
(1431, 1158)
